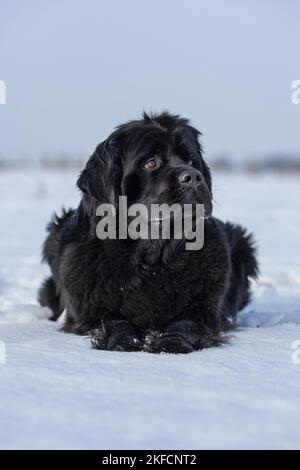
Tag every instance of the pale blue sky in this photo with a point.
(75, 69)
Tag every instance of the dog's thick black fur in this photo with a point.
(150, 295)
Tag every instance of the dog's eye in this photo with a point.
(152, 163)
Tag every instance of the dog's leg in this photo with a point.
(118, 335)
(48, 297)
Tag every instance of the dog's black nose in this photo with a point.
(189, 177)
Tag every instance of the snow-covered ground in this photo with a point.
(56, 392)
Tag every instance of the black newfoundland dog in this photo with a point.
(151, 295)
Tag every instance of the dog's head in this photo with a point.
(157, 159)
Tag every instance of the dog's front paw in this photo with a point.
(173, 344)
(116, 336)
(185, 336)
(179, 338)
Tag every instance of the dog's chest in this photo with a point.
(151, 298)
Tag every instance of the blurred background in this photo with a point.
(75, 69)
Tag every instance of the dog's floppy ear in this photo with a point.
(101, 177)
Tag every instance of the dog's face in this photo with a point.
(154, 160)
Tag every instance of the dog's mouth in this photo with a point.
(193, 197)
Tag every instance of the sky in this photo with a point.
(75, 69)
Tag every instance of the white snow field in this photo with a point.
(56, 392)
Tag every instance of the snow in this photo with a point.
(56, 392)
